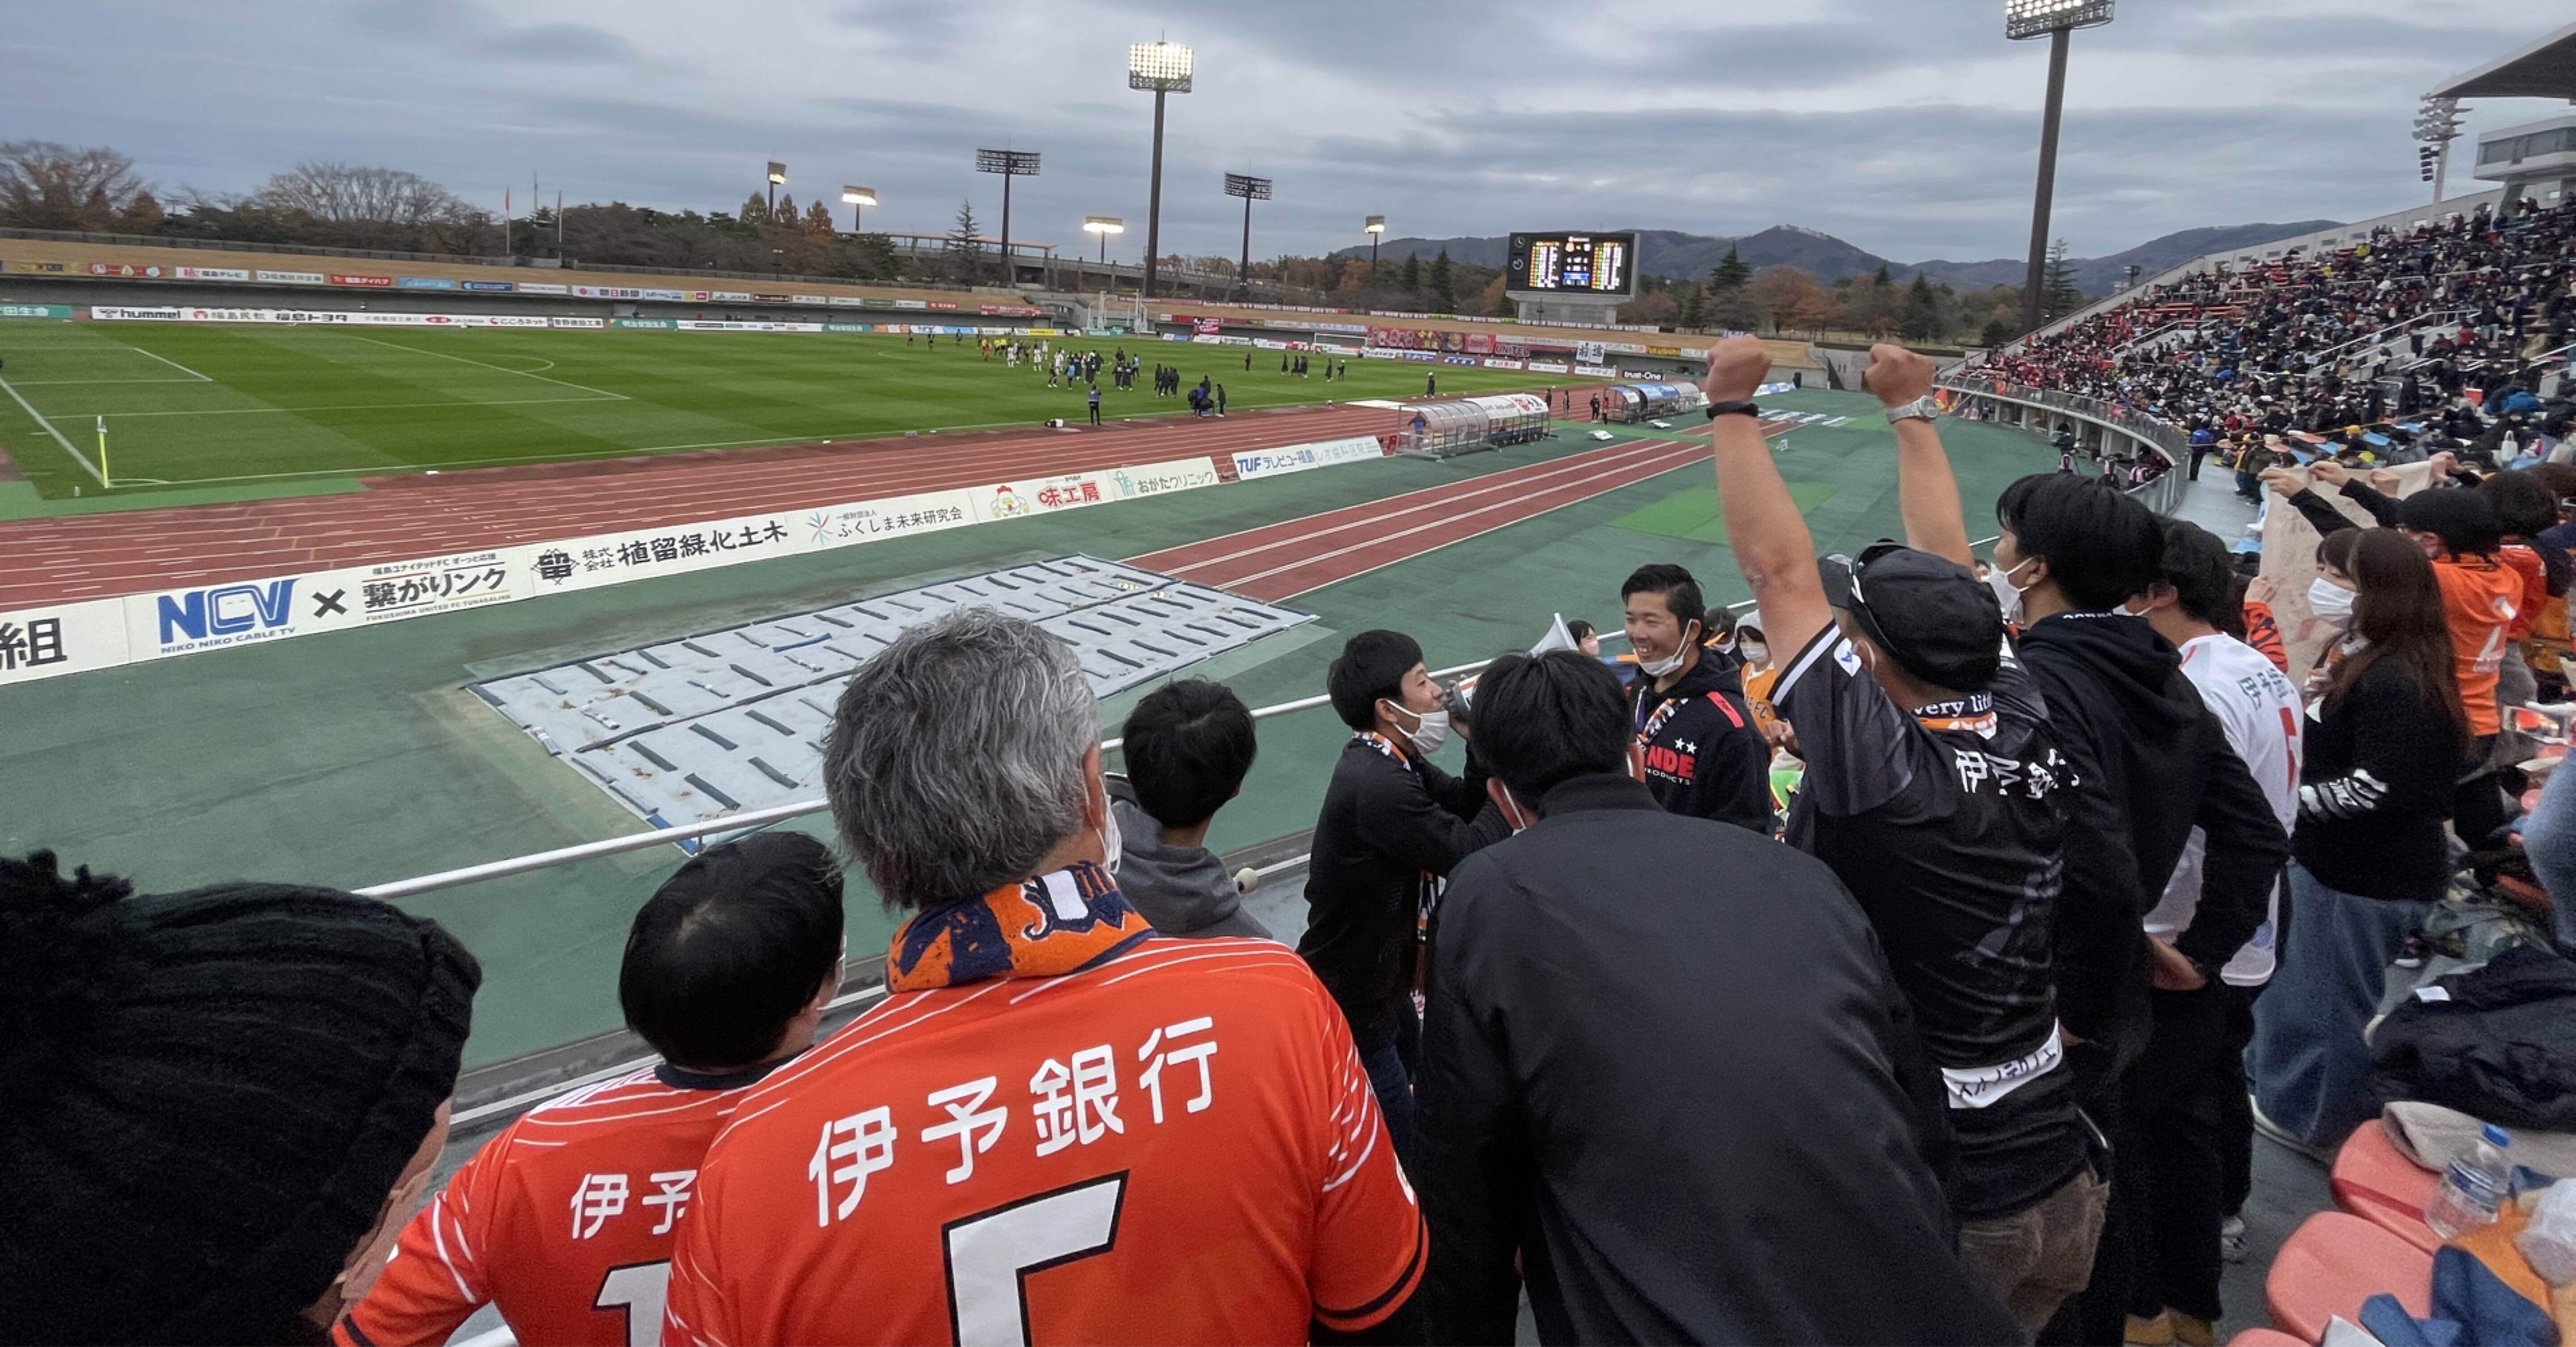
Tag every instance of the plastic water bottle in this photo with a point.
(2474, 1189)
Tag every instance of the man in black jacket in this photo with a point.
(2153, 763)
(1748, 1172)
(1392, 828)
(1935, 791)
(1686, 706)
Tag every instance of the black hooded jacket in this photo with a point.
(1704, 758)
(2154, 763)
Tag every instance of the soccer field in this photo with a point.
(209, 406)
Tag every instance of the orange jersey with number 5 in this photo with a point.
(1175, 1144)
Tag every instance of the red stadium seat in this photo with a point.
(2332, 1263)
(2266, 1337)
(2376, 1182)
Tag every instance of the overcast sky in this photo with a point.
(1909, 127)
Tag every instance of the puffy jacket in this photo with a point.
(2498, 1042)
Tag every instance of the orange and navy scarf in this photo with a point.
(1060, 922)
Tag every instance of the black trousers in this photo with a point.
(2184, 1096)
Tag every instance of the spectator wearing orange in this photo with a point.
(1057, 1127)
(728, 968)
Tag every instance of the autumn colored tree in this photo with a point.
(1786, 296)
(756, 210)
(818, 224)
(1656, 309)
(1355, 277)
(48, 186)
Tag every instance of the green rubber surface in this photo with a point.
(357, 758)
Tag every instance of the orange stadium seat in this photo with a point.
(2266, 1337)
(2335, 1261)
(2375, 1181)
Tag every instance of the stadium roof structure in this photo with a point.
(2545, 69)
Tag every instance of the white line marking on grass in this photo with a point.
(369, 406)
(48, 428)
(171, 363)
(503, 369)
(57, 383)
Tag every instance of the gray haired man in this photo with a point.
(1179, 1132)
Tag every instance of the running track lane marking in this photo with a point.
(1675, 455)
(1610, 479)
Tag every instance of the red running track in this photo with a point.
(416, 515)
(1280, 561)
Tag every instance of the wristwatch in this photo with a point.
(1920, 409)
(1718, 409)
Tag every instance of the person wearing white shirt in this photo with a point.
(2187, 1091)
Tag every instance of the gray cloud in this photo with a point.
(1907, 127)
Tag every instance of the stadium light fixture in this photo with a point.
(1164, 68)
(1250, 189)
(1104, 226)
(1010, 164)
(1375, 228)
(777, 179)
(2437, 124)
(2058, 20)
(857, 198)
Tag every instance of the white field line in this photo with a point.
(366, 406)
(502, 369)
(48, 427)
(172, 364)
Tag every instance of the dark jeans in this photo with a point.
(1390, 1066)
(2178, 1092)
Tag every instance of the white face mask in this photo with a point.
(1755, 652)
(1431, 731)
(2007, 593)
(1657, 668)
(2330, 601)
(1112, 842)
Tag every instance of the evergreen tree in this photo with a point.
(756, 210)
(1730, 274)
(1443, 298)
(786, 212)
(1920, 320)
(1998, 334)
(1883, 278)
(1693, 311)
(2058, 295)
(818, 223)
(1411, 278)
(964, 253)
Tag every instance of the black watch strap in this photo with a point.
(1718, 409)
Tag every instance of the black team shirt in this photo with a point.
(1944, 824)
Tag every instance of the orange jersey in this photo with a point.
(2479, 600)
(564, 1222)
(1176, 1143)
(2535, 587)
(1757, 696)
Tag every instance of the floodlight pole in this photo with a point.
(1154, 199)
(1243, 269)
(2031, 298)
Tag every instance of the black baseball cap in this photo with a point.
(1933, 616)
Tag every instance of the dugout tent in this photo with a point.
(1513, 418)
(1440, 428)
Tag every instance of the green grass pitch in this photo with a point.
(216, 406)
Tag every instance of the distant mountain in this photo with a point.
(2096, 275)
(1667, 252)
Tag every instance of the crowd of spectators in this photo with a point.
(2404, 345)
(1886, 966)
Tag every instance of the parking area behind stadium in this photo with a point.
(358, 758)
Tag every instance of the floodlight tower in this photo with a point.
(1163, 67)
(777, 179)
(1104, 226)
(2058, 19)
(1375, 228)
(1251, 190)
(1010, 164)
(2437, 124)
(857, 198)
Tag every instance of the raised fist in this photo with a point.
(1736, 368)
(1897, 376)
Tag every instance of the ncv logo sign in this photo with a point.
(227, 610)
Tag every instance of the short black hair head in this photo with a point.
(2523, 502)
(1543, 719)
(1578, 629)
(2463, 520)
(2195, 564)
(1188, 746)
(2102, 547)
(1372, 665)
(730, 948)
(1680, 591)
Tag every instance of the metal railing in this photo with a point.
(2160, 495)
